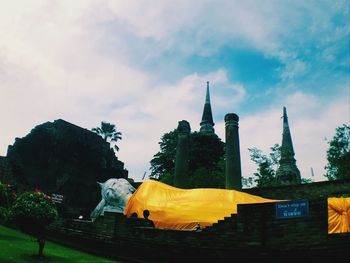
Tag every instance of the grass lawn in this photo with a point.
(18, 247)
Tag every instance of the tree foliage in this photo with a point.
(206, 167)
(338, 154)
(163, 162)
(109, 133)
(34, 209)
(213, 177)
(7, 197)
(267, 168)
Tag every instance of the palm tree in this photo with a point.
(109, 133)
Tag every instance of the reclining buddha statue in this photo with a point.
(171, 207)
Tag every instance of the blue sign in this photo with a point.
(56, 198)
(292, 209)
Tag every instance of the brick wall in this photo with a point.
(253, 234)
(313, 190)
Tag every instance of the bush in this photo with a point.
(7, 195)
(33, 211)
(4, 213)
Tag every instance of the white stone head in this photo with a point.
(116, 191)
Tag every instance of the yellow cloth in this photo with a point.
(338, 215)
(182, 209)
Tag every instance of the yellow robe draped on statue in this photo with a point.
(182, 209)
(338, 215)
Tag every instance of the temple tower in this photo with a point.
(182, 155)
(287, 172)
(232, 153)
(207, 123)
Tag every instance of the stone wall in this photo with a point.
(253, 234)
(6, 173)
(313, 190)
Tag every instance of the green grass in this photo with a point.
(18, 247)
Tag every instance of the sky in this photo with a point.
(143, 66)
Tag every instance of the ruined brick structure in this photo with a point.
(62, 158)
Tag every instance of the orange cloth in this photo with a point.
(182, 209)
(338, 215)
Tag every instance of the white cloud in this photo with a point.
(156, 19)
(49, 69)
(294, 68)
(190, 27)
(70, 60)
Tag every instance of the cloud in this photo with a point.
(88, 61)
(50, 69)
(189, 27)
(293, 69)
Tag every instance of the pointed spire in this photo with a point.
(207, 96)
(287, 172)
(287, 143)
(207, 123)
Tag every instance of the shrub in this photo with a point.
(33, 210)
(7, 195)
(3, 214)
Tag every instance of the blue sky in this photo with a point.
(143, 65)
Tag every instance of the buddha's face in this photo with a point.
(116, 191)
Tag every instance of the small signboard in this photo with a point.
(292, 209)
(56, 198)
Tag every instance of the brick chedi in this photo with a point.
(207, 123)
(60, 157)
(287, 172)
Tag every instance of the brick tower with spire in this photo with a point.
(287, 172)
(207, 123)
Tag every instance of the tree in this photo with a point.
(109, 133)
(213, 177)
(205, 163)
(163, 162)
(267, 167)
(338, 154)
(33, 212)
(206, 150)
